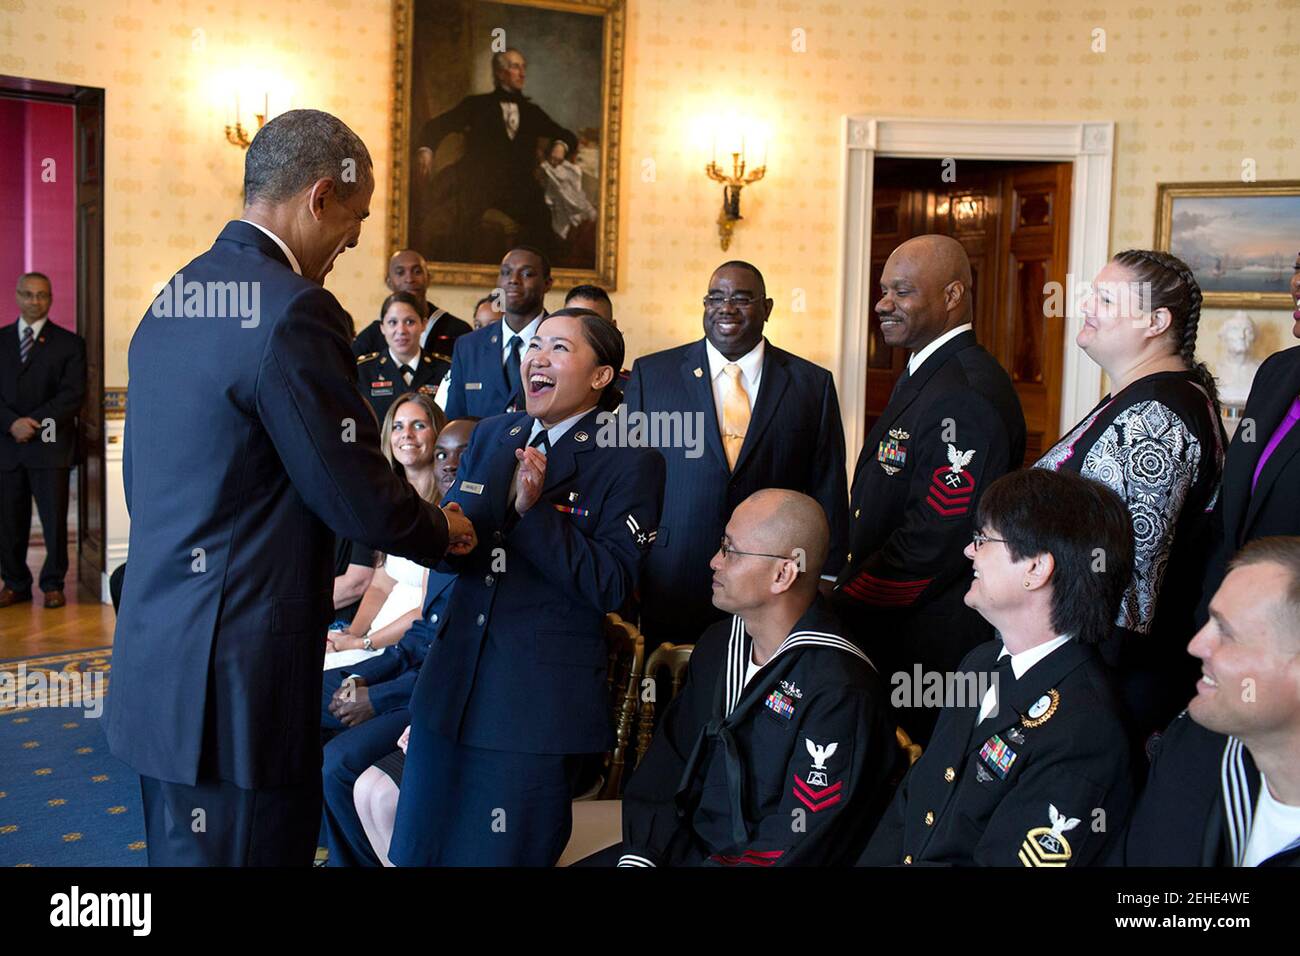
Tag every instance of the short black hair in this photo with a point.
(1087, 530)
(546, 263)
(742, 264)
(607, 342)
(299, 147)
(593, 292)
(487, 298)
(405, 297)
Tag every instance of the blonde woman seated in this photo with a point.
(396, 592)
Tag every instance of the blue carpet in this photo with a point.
(64, 799)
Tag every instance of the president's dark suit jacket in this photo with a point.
(247, 441)
(478, 379)
(906, 575)
(521, 662)
(1274, 506)
(437, 345)
(795, 440)
(52, 385)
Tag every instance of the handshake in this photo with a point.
(461, 538)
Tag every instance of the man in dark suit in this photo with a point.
(952, 426)
(1224, 786)
(408, 272)
(42, 384)
(484, 378)
(1260, 495)
(247, 446)
(751, 416)
(500, 168)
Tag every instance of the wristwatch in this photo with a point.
(367, 643)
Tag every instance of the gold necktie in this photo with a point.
(735, 413)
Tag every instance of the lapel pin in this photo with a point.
(516, 430)
(581, 436)
(699, 373)
(573, 497)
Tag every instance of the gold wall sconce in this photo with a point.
(736, 178)
(236, 135)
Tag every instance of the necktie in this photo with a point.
(512, 366)
(407, 374)
(1002, 679)
(25, 347)
(1288, 422)
(735, 413)
(541, 440)
(902, 380)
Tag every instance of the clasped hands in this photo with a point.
(24, 429)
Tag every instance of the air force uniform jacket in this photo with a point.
(1043, 781)
(380, 378)
(948, 431)
(789, 769)
(521, 662)
(1199, 804)
(478, 386)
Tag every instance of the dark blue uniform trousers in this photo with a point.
(273, 826)
(465, 806)
(346, 757)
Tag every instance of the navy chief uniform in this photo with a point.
(514, 691)
(238, 473)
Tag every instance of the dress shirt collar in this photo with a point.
(35, 327)
(527, 335)
(1020, 663)
(557, 431)
(288, 254)
(917, 358)
(413, 364)
(751, 363)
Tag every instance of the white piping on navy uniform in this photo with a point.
(822, 639)
(630, 859)
(1236, 799)
(736, 664)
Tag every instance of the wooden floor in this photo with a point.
(30, 629)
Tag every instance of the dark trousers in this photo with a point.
(275, 826)
(49, 486)
(347, 757)
(465, 806)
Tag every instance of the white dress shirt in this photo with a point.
(510, 116)
(555, 432)
(1020, 664)
(917, 358)
(35, 327)
(751, 373)
(288, 254)
(526, 335)
(412, 364)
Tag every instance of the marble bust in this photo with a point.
(1237, 370)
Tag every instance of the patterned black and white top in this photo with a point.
(1159, 445)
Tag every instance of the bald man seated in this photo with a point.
(779, 747)
(952, 426)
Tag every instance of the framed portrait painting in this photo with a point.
(1239, 239)
(505, 133)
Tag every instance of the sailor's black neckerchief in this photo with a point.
(735, 699)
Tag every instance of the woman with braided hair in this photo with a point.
(1158, 442)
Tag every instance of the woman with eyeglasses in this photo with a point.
(1158, 442)
(512, 696)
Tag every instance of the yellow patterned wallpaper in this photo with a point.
(1194, 88)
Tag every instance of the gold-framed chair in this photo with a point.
(670, 657)
(623, 681)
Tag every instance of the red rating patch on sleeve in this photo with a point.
(951, 492)
(818, 798)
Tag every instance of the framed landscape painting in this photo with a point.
(1239, 239)
(505, 133)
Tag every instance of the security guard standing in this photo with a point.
(402, 367)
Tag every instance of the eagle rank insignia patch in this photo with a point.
(1047, 846)
(952, 489)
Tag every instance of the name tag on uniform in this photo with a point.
(473, 386)
(381, 387)
(471, 487)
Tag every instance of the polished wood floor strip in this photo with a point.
(30, 629)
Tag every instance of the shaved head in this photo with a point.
(787, 522)
(925, 291)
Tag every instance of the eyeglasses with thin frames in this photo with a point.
(727, 551)
(979, 539)
(741, 301)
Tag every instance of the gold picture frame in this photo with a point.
(1239, 239)
(482, 270)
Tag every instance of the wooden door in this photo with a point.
(1013, 221)
(90, 325)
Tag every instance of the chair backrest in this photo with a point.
(626, 665)
(670, 657)
(909, 749)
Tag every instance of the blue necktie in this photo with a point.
(25, 348)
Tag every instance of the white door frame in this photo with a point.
(1088, 145)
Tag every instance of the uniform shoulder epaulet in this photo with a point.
(439, 356)
(367, 357)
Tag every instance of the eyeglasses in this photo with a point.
(727, 551)
(716, 301)
(979, 539)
